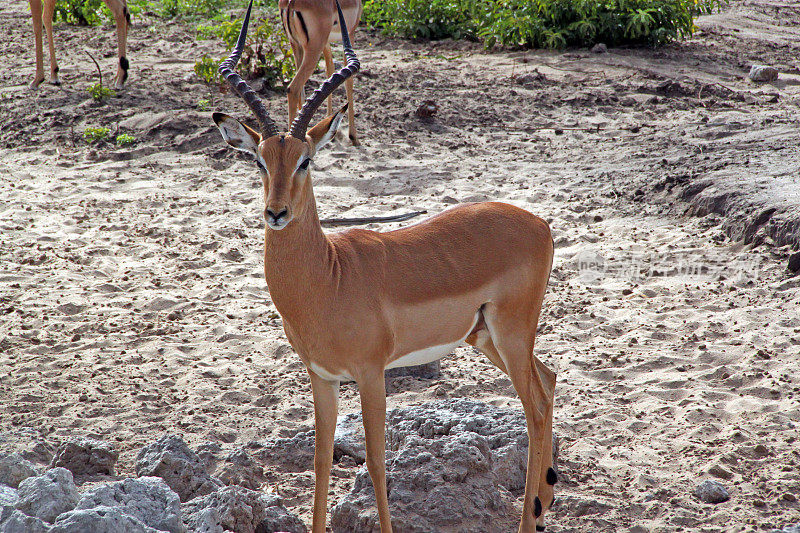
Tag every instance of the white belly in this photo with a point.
(431, 353)
(327, 375)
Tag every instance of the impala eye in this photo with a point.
(304, 164)
(261, 165)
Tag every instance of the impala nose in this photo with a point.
(275, 218)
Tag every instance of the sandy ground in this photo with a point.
(132, 300)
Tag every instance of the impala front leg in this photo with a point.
(372, 390)
(326, 407)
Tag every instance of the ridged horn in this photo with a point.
(300, 124)
(268, 127)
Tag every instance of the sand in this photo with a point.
(132, 299)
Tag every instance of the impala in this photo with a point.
(310, 26)
(45, 14)
(358, 302)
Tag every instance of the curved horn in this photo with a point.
(268, 127)
(300, 124)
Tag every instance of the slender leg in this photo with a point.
(532, 403)
(548, 476)
(307, 66)
(121, 18)
(297, 53)
(36, 15)
(47, 18)
(512, 331)
(372, 389)
(329, 71)
(326, 406)
(351, 112)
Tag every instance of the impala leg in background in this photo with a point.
(372, 389)
(351, 113)
(36, 15)
(326, 408)
(47, 18)
(328, 54)
(122, 20)
(304, 71)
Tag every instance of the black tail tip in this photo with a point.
(552, 476)
(537, 507)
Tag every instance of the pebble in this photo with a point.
(763, 73)
(710, 491)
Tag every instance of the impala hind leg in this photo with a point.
(36, 16)
(326, 52)
(47, 18)
(512, 342)
(351, 112)
(372, 389)
(547, 475)
(326, 401)
(122, 19)
(304, 71)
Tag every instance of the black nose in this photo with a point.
(271, 214)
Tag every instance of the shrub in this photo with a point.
(124, 139)
(95, 134)
(82, 12)
(207, 70)
(267, 53)
(99, 93)
(539, 23)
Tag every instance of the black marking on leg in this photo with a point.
(127, 15)
(303, 25)
(537, 507)
(552, 477)
(539, 528)
(124, 65)
(55, 70)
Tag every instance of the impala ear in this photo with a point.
(236, 134)
(322, 133)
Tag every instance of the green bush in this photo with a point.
(539, 23)
(99, 93)
(82, 12)
(124, 139)
(95, 134)
(206, 69)
(267, 53)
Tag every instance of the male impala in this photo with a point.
(121, 17)
(357, 302)
(310, 26)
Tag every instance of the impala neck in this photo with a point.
(298, 260)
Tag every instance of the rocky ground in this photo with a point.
(132, 302)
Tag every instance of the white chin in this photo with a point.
(279, 226)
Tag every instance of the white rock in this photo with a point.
(14, 469)
(148, 499)
(48, 495)
(21, 523)
(99, 520)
